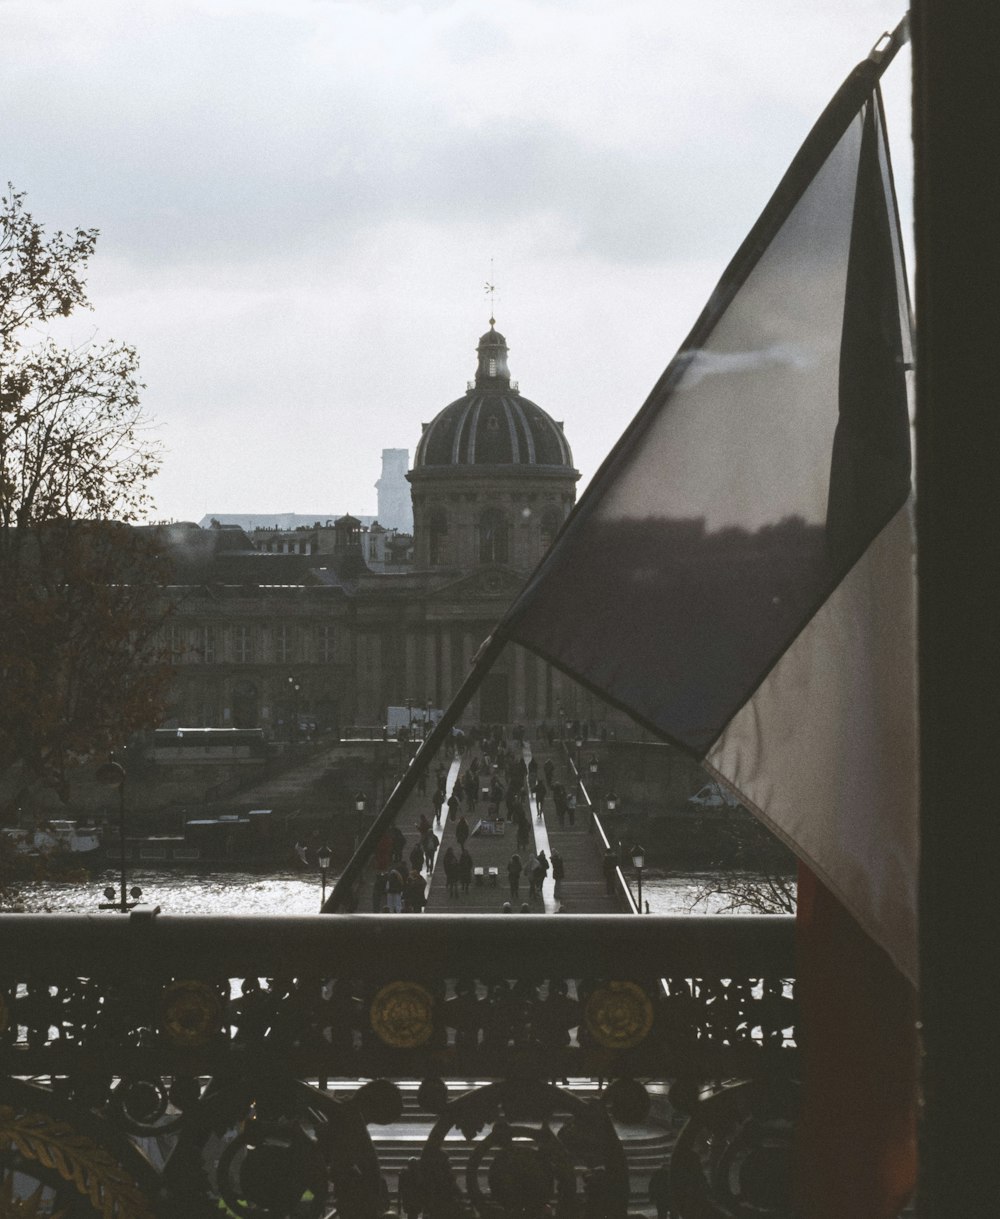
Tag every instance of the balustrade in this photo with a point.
(187, 1066)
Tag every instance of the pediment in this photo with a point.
(499, 582)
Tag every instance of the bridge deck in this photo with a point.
(583, 890)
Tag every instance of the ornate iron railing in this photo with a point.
(187, 1066)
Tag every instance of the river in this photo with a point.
(290, 893)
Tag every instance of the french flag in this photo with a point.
(739, 577)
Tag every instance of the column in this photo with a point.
(447, 687)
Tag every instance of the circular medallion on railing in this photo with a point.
(402, 1015)
(190, 1013)
(619, 1015)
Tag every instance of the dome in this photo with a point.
(492, 424)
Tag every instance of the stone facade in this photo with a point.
(297, 633)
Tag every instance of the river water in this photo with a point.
(201, 892)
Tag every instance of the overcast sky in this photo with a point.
(299, 201)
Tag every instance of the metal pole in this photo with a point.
(121, 837)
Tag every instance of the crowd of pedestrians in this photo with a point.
(498, 778)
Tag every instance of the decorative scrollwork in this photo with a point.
(77, 1159)
(190, 1013)
(525, 1159)
(619, 1015)
(402, 1015)
(280, 1147)
(733, 1157)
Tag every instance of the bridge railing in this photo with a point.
(178, 1065)
(623, 890)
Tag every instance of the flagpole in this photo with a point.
(481, 665)
(884, 52)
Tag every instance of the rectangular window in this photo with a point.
(325, 644)
(208, 644)
(242, 645)
(282, 644)
(175, 644)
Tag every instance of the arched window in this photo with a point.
(437, 536)
(494, 537)
(549, 526)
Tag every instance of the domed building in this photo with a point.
(493, 475)
(492, 482)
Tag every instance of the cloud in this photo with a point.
(299, 200)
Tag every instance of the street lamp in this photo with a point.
(293, 734)
(323, 858)
(360, 803)
(592, 766)
(611, 801)
(638, 859)
(112, 774)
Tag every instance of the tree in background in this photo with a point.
(758, 876)
(81, 611)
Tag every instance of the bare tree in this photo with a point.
(80, 590)
(758, 877)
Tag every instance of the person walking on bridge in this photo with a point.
(451, 872)
(414, 893)
(514, 869)
(559, 800)
(465, 870)
(543, 869)
(394, 891)
(609, 867)
(534, 871)
(558, 872)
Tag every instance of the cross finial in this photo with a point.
(490, 289)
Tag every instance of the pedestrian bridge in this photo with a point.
(578, 838)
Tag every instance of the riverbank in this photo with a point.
(287, 892)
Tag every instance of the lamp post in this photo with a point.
(578, 743)
(112, 774)
(293, 735)
(638, 860)
(323, 858)
(592, 767)
(360, 804)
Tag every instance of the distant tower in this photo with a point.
(395, 509)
